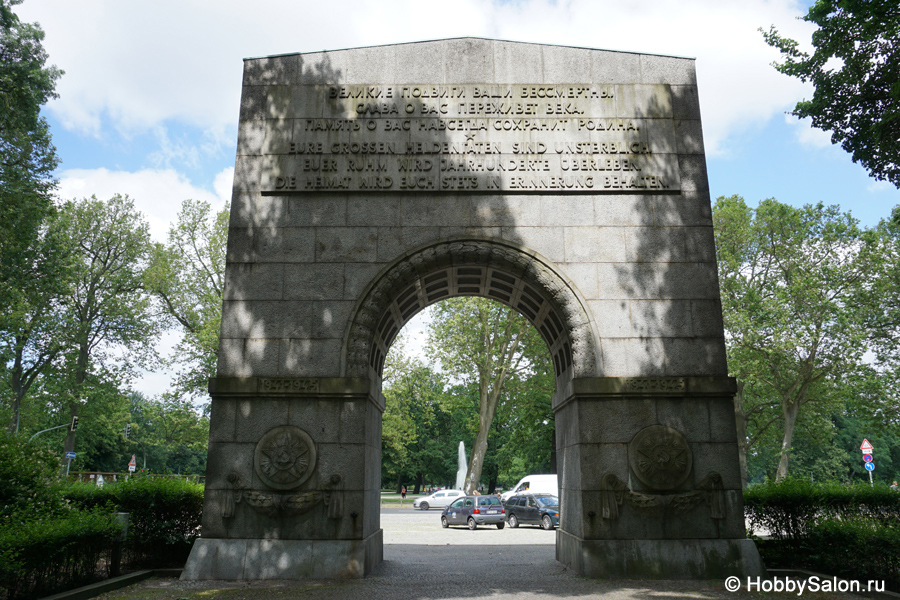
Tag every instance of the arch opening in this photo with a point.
(499, 271)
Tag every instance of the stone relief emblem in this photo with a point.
(272, 504)
(660, 457)
(285, 457)
(614, 492)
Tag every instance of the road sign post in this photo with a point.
(867, 450)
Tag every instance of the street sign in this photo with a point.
(132, 464)
(866, 447)
(870, 466)
(70, 455)
(867, 457)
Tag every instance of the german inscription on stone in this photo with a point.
(569, 138)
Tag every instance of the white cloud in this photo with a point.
(808, 135)
(880, 186)
(141, 64)
(157, 193)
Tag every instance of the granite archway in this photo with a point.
(568, 183)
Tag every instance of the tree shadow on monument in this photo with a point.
(327, 260)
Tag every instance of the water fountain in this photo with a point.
(461, 469)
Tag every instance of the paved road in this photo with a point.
(425, 562)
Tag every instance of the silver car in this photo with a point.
(473, 511)
(439, 499)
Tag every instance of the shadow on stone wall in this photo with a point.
(324, 250)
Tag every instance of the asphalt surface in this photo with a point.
(422, 561)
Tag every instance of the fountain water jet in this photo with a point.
(461, 468)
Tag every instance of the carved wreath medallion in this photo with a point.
(660, 457)
(285, 457)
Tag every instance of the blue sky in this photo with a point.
(149, 103)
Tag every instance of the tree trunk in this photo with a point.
(419, 477)
(790, 411)
(81, 367)
(740, 421)
(476, 463)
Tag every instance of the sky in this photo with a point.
(148, 104)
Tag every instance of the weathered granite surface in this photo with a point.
(568, 183)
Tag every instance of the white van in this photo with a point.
(535, 484)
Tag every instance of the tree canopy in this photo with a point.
(792, 280)
(485, 345)
(27, 155)
(855, 69)
(187, 276)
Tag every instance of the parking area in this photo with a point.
(423, 527)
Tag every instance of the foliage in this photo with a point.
(28, 478)
(791, 280)
(484, 345)
(791, 508)
(27, 156)
(30, 258)
(187, 276)
(855, 69)
(164, 515)
(108, 310)
(40, 556)
(169, 433)
(414, 434)
(844, 530)
(32, 332)
(855, 548)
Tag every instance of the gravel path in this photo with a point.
(425, 562)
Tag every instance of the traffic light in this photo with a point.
(74, 423)
(127, 429)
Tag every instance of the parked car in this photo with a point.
(534, 484)
(541, 509)
(439, 499)
(473, 511)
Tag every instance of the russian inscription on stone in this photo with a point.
(515, 138)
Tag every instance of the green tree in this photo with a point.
(855, 69)
(790, 284)
(32, 330)
(187, 275)
(483, 344)
(109, 316)
(525, 422)
(415, 435)
(27, 156)
(168, 434)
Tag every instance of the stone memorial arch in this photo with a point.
(567, 183)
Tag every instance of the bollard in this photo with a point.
(116, 558)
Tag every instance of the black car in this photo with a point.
(540, 509)
(474, 511)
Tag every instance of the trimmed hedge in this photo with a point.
(787, 510)
(850, 531)
(165, 514)
(43, 555)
